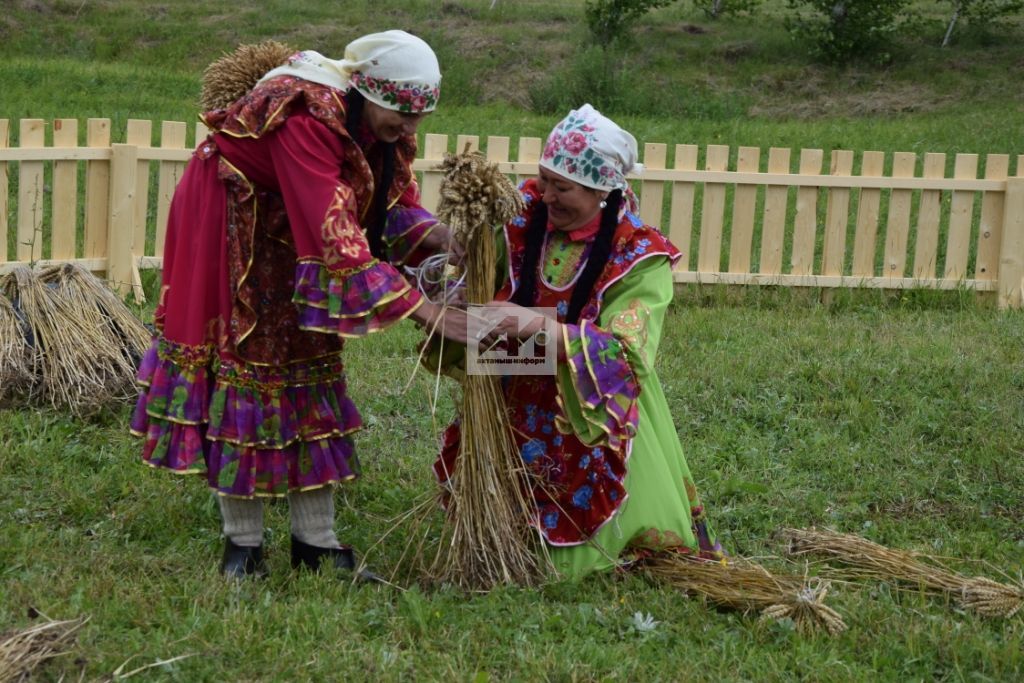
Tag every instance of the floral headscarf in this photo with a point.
(592, 150)
(393, 69)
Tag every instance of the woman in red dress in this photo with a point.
(284, 238)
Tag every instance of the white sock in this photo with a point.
(312, 516)
(243, 520)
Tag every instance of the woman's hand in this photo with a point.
(447, 321)
(503, 325)
(441, 240)
(498, 324)
(505, 317)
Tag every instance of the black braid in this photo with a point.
(377, 217)
(354, 102)
(526, 288)
(536, 232)
(598, 258)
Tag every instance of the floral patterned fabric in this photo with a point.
(266, 270)
(361, 303)
(404, 231)
(252, 430)
(603, 381)
(406, 97)
(571, 148)
(592, 150)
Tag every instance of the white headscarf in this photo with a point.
(393, 69)
(592, 150)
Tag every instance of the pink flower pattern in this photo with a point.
(569, 149)
(405, 97)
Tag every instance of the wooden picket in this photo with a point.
(64, 216)
(709, 254)
(1011, 255)
(681, 216)
(29, 246)
(97, 191)
(816, 227)
(743, 208)
(805, 225)
(4, 189)
(837, 216)
(172, 136)
(997, 167)
(653, 191)
(776, 206)
(929, 217)
(867, 217)
(961, 213)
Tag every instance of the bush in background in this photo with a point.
(978, 13)
(608, 20)
(714, 9)
(842, 30)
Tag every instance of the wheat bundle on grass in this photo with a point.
(22, 651)
(99, 307)
(487, 539)
(748, 587)
(14, 368)
(81, 340)
(234, 74)
(866, 559)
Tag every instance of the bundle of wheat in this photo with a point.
(746, 586)
(487, 539)
(100, 307)
(867, 559)
(82, 342)
(14, 358)
(21, 651)
(234, 74)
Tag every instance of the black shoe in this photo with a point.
(242, 561)
(309, 556)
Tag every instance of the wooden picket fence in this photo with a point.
(737, 221)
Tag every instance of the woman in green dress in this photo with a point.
(611, 482)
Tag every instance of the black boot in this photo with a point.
(311, 557)
(241, 561)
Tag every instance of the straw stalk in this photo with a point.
(748, 587)
(22, 651)
(866, 559)
(487, 539)
(73, 342)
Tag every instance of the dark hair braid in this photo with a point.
(536, 231)
(526, 288)
(598, 258)
(377, 217)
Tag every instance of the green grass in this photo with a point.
(513, 70)
(893, 415)
(897, 419)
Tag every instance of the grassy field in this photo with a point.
(892, 416)
(898, 421)
(513, 70)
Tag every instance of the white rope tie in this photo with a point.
(432, 278)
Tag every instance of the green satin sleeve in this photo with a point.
(608, 360)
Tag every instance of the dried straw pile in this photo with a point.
(79, 342)
(234, 74)
(24, 650)
(487, 540)
(749, 587)
(866, 559)
(14, 357)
